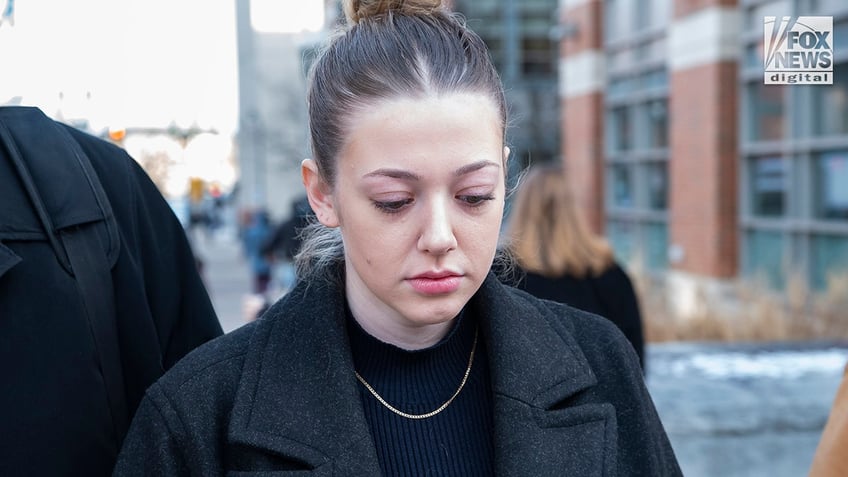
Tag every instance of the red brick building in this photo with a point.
(685, 159)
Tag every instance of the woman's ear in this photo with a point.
(319, 194)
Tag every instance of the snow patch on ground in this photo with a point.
(767, 364)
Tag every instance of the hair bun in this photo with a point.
(356, 10)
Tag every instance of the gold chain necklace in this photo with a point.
(435, 411)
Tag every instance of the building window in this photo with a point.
(655, 79)
(643, 242)
(621, 87)
(656, 115)
(830, 103)
(620, 60)
(622, 237)
(656, 246)
(660, 12)
(767, 112)
(653, 51)
(537, 56)
(768, 186)
(652, 14)
(764, 257)
(777, 8)
(840, 34)
(830, 258)
(656, 180)
(622, 186)
(496, 50)
(754, 55)
(831, 188)
(830, 6)
(621, 129)
(618, 18)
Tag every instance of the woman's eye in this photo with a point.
(391, 206)
(475, 200)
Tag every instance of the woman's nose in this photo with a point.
(437, 235)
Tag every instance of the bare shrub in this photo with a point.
(757, 313)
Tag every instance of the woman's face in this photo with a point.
(419, 198)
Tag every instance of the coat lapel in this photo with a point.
(538, 372)
(298, 396)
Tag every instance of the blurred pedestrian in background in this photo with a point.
(284, 243)
(399, 352)
(256, 231)
(99, 295)
(562, 260)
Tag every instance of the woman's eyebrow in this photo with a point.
(393, 173)
(474, 166)
(411, 176)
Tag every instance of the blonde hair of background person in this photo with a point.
(399, 352)
(547, 234)
(561, 259)
(831, 457)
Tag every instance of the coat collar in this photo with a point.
(537, 371)
(298, 394)
(534, 358)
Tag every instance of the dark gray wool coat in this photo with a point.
(280, 395)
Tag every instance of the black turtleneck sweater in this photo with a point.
(456, 441)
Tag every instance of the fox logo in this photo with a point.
(799, 46)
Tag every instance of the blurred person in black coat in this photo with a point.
(286, 239)
(279, 250)
(562, 260)
(59, 413)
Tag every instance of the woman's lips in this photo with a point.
(435, 285)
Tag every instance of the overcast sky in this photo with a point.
(132, 62)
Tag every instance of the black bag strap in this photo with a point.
(94, 281)
(81, 247)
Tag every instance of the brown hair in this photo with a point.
(388, 49)
(358, 9)
(391, 49)
(546, 233)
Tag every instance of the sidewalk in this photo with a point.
(744, 409)
(225, 273)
